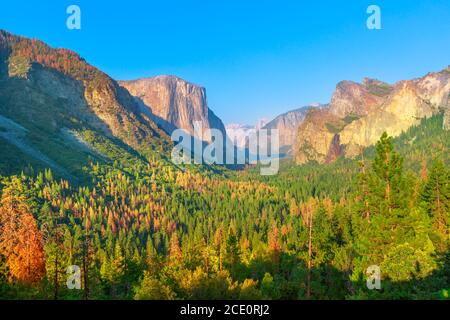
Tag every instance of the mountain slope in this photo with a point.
(51, 92)
(360, 113)
(288, 123)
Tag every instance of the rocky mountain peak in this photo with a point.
(360, 112)
(352, 98)
(175, 103)
(288, 123)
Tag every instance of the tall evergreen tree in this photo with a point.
(435, 198)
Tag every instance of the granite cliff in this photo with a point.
(360, 112)
(175, 103)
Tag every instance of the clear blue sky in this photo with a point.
(257, 58)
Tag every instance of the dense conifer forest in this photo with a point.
(139, 227)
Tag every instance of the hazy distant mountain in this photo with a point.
(261, 123)
(238, 133)
(288, 123)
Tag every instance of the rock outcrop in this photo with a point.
(351, 98)
(175, 103)
(360, 113)
(446, 123)
(288, 123)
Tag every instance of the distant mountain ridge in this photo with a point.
(239, 133)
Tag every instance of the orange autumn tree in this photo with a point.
(274, 244)
(20, 238)
(175, 253)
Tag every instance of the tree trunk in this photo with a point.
(308, 292)
(56, 277)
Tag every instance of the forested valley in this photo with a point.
(139, 227)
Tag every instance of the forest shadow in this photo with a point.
(290, 278)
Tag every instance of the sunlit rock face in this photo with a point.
(351, 98)
(175, 103)
(447, 119)
(360, 112)
(287, 124)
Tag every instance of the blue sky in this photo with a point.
(256, 58)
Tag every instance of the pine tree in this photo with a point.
(218, 243)
(151, 256)
(435, 198)
(20, 238)
(175, 253)
(232, 252)
(152, 289)
(274, 245)
(397, 237)
(387, 183)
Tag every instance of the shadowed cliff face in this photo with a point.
(176, 102)
(360, 113)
